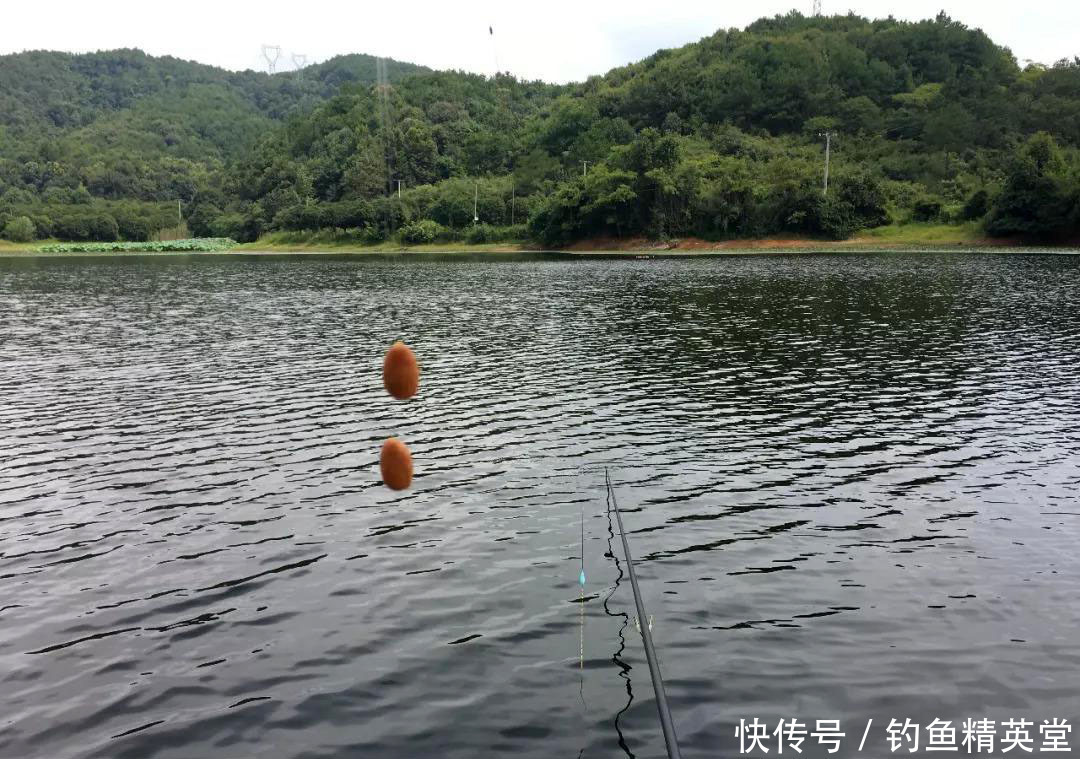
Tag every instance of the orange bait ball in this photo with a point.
(395, 463)
(400, 372)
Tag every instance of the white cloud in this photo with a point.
(557, 40)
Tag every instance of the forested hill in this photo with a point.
(51, 92)
(931, 121)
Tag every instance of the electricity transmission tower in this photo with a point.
(299, 61)
(817, 7)
(271, 53)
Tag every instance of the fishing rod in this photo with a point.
(666, 722)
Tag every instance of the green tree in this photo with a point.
(19, 229)
(1037, 201)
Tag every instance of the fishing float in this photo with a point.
(401, 378)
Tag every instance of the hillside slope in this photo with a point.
(929, 122)
(51, 92)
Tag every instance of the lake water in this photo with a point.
(851, 482)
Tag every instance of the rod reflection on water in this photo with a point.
(581, 624)
(616, 657)
(581, 605)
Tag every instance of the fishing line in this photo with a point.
(581, 581)
(581, 655)
(581, 577)
(666, 723)
(581, 603)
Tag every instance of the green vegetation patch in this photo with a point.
(196, 245)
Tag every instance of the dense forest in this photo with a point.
(723, 138)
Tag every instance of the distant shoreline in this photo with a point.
(908, 237)
(583, 253)
(930, 239)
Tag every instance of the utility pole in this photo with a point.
(398, 188)
(585, 168)
(179, 215)
(817, 7)
(513, 200)
(828, 150)
(476, 197)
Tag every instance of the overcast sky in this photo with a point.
(555, 40)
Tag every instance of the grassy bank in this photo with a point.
(893, 237)
(926, 237)
(7, 246)
(331, 242)
(969, 233)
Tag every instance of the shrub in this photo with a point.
(480, 233)
(350, 213)
(307, 216)
(389, 214)
(43, 225)
(836, 219)
(244, 227)
(104, 228)
(201, 217)
(372, 233)
(927, 209)
(134, 228)
(19, 229)
(451, 234)
(423, 231)
(976, 206)
(865, 199)
(1037, 201)
(83, 225)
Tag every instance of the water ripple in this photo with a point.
(850, 482)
